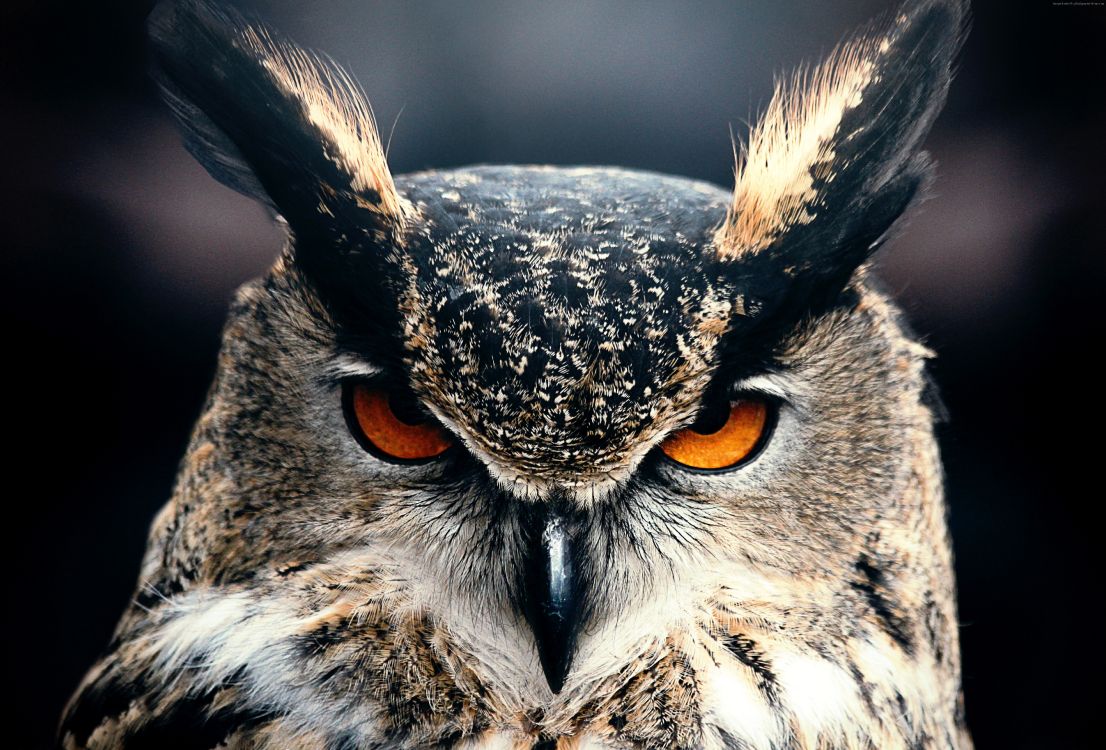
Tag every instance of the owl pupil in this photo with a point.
(405, 409)
(712, 418)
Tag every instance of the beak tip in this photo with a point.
(556, 659)
(555, 683)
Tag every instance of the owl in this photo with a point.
(536, 457)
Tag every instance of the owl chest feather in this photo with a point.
(345, 659)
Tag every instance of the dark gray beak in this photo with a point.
(551, 594)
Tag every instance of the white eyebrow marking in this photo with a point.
(772, 384)
(346, 365)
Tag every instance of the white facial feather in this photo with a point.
(348, 366)
(738, 708)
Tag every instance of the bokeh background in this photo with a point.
(121, 255)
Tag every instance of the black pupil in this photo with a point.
(406, 409)
(712, 418)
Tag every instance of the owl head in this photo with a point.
(559, 409)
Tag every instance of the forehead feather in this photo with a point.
(560, 315)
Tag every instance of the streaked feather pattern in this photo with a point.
(301, 593)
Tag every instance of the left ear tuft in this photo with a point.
(835, 158)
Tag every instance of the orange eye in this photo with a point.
(392, 428)
(722, 438)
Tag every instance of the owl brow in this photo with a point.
(773, 384)
(349, 366)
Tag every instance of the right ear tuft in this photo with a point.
(274, 121)
(837, 158)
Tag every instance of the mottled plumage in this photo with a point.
(300, 592)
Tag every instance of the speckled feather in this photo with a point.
(563, 317)
(298, 592)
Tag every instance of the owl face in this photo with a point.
(519, 449)
(316, 412)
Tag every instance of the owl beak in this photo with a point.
(551, 598)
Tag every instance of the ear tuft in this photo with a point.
(272, 120)
(335, 106)
(840, 140)
(793, 145)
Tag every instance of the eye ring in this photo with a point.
(746, 455)
(388, 433)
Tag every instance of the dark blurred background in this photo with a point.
(122, 255)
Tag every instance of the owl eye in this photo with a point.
(391, 426)
(725, 435)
